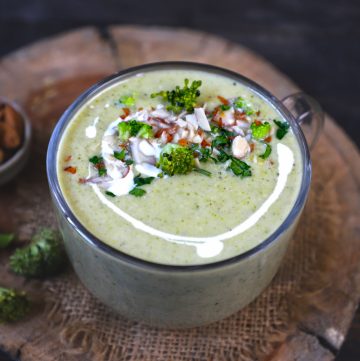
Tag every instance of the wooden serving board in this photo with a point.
(303, 315)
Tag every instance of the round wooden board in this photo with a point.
(47, 76)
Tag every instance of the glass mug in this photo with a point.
(180, 296)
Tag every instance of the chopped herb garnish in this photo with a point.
(225, 107)
(140, 181)
(267, 152)
(202, 171)
(240, 103)
(133, 128)
(95, 159)
(129, 161)
(220, 141)
(260, 130)
(283, 128)
(240, 168)
(203, 154)
(181, 98)
(110, 194)
(120, 155)
(223, 156)
(221, 131)
(99, 164)
(129, 101)
(6, 239)
(137, 192)
(223, 139)
(102, 171)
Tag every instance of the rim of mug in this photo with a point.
(92, 240)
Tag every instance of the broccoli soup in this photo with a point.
(179, 167)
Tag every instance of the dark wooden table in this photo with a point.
(315, 43)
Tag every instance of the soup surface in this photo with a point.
(179, 176)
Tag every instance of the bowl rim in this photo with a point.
(20, 152)
(99, 245)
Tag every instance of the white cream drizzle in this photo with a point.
(212, 246)
(90, 131)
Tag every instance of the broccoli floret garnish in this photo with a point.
(260, 130)
(13, 305)
(181, 99)
(133, 128)
(44, 256)
(175, 159)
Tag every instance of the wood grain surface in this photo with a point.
(46, 77)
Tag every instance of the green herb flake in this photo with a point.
(260, 130)
(220, 141)
(267, 152)
(110, 194)
(202, 171)
(98, 162)
(137, 192)
(129, 161)
(6, 239)
(241, 103)
(223, 156)
(203, 154)
(240, 168)
(95, 159)
(224, 107)
(283, 128)
(120, 155)
(181, 98)
(102, 171)
(128, 101)
(140, 181)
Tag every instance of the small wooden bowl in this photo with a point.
(12, 166)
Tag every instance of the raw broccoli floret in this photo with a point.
(175, 159)
(181, 99)
(13, 305)
(44, 256)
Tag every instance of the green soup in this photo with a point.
(239, 184)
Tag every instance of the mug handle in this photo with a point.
(308, 114)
